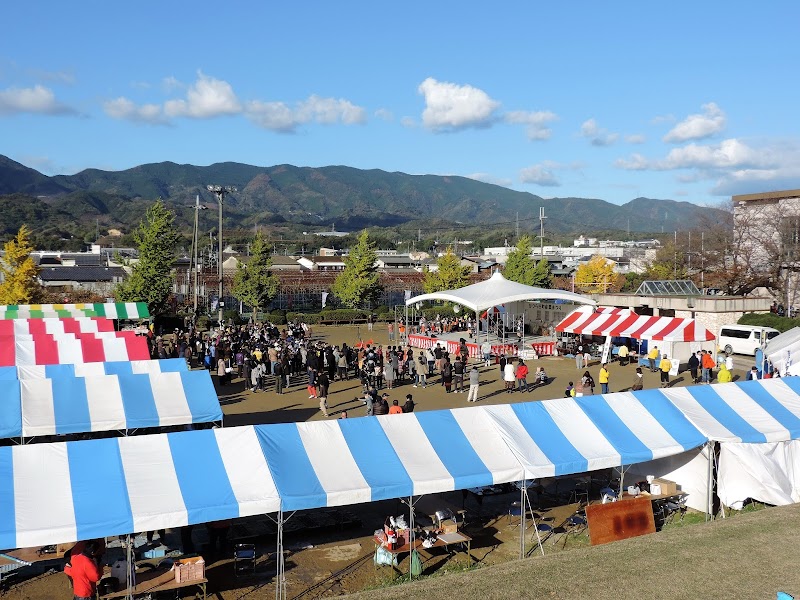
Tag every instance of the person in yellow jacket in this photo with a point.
(652, 357)
(604, 375)
(665, 365)
(724, 375)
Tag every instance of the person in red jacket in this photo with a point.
(85, 571)
(522, 376)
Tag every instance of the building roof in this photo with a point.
(87, 274)
(766, 196)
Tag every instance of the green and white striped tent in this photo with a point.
(110, 310)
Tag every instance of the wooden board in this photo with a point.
(619, 520)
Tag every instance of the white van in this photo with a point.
(745, 339)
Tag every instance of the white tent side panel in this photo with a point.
(769, 473)
(689, 470)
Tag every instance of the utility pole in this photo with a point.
(702, 259)
(541, 232)
(517, 230)
(219, 191)
(675, 258)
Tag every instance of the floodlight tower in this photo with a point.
(219, 191)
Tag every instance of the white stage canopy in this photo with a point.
(495, 291)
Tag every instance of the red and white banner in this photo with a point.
(70, 349)
(421, 341)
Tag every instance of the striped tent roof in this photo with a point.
(111, 310)
(618, 322)
(95, 369)
(55, 326)
(36, 407)
(70, 349)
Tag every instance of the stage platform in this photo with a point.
(531, 345)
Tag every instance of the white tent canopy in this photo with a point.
(495, 291)
(779, 350)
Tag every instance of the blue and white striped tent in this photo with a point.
(121, 367)
(36, 407)
(65, 491)
(766, 410)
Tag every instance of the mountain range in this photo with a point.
(314, 197)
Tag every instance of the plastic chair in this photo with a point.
(244, 558)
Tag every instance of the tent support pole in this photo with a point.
(129, 568)
(526, 505)
(280, 583)
(523, 506)
(410, 535)
(710, 490)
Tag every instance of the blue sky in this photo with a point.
(687, 100)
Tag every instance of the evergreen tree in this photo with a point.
(19, 272)
(449, 275)
(520, 267)
(358, 285)
(254, 284)
(151, 278)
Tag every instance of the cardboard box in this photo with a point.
(189, 569)
(449, 526)
(668, 488)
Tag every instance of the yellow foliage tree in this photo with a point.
(18, 271)
(597, 275)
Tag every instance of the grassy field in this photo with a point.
(751, 555)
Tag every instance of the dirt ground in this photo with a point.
(330, 552)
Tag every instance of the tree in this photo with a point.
(598, 276)
(19, 272)
(669, 263)
(151, 277)
(358, 285)
(449, 274)
(254, 284)
(520, 267)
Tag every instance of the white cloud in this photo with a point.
(663, 119)
(541, 174)
(487, 178)
(330, 110)
(699, 126)
(734, 166)
(170, 84)
(38, 99)
(597, 135)
(278, 116)
(727, 154)
(408, 122)
(450, 106)
(635, 138)
(62, 77)
(384, 114)
(535, 122)
(207, 97)
(122, 108)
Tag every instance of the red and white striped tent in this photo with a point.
(45, 349)
(620, 322)
(55, 326)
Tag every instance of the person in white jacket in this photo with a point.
(508, 376)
